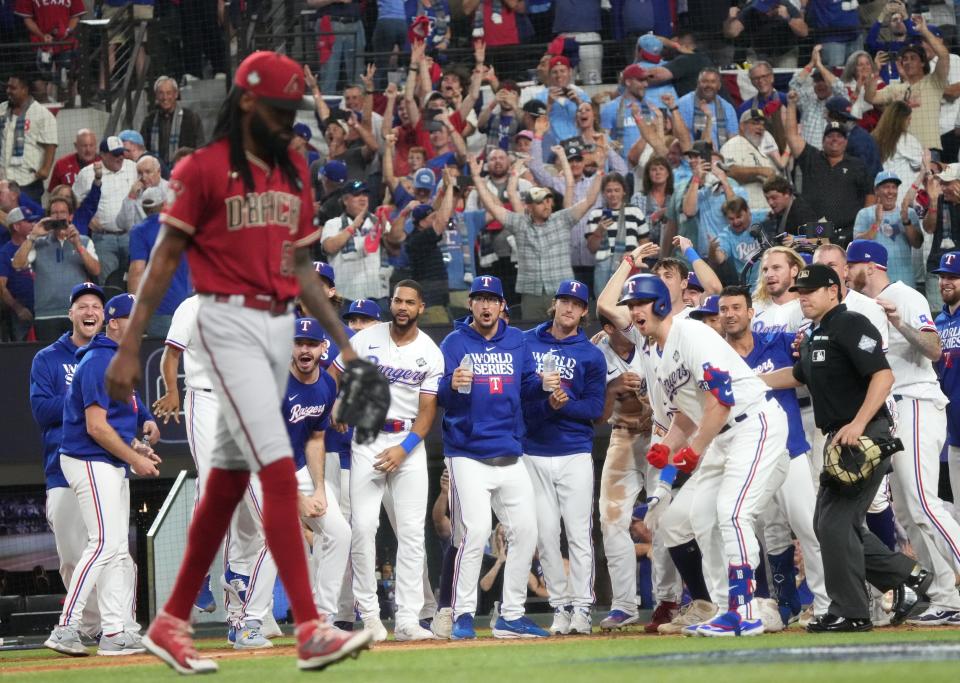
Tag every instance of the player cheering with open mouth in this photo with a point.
(242, 212)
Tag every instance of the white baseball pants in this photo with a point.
(429, 601)
(331, 546)
(408, 488)
(933, 532)
(563, 489)
(953, 464)
(103, 497)
(339, 482)
(247, 554)
(739, 474)
(792, 509)
(475, 490)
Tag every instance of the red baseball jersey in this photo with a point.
(243, 243)
(65, 170)
(52, 16)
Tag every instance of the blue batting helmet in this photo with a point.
(647, 288)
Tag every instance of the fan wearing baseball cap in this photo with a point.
(617, 115)
(543, 237)
(896, 228)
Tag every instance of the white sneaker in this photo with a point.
(406, 632)
(66, 640)
(250, 637)
(691, 614)
(769, 613)
(494, 614)
(934, 616)
(270, 628)
(561, 621)
(374, 625)
(442, 625)
(582, 621)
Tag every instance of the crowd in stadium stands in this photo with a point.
(843, 124)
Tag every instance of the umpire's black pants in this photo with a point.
(851, 553)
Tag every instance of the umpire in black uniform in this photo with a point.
(843, 365)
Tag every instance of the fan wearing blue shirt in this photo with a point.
(142, 238)
(793, 504)
(97, 451)
(306, 409)
(557, 451)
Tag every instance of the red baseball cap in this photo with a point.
(635, 71)
(274, 78)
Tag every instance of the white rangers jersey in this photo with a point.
(695, 361)
(183, 335)
(864, 305)
(771, 317)
(411, 369)
(913, 373)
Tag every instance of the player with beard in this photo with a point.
(482, 431)
(394, 465)
(794, 501)
(776, 307)
(948, 326)
(306, 409)
(242, 212)
(922, 426)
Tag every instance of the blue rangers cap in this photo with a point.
(886, 177)
(118, 307)
(325, 270)
(867, 251)
(487, 284)
(363, 307)
(574, 289)
(87, 288)
(710, 306)
(949, 264)
(308, 328)
(693, 282)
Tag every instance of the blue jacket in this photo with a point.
(487, 422)
(50, 378)
(88, 388)
(771, 352)
(583, 374)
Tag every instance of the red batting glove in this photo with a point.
(658, 455)
(686, 460)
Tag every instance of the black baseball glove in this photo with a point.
(364, 400)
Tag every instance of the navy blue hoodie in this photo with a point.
(88, 388)
(50, 377)
(487, 422)
(583, 374)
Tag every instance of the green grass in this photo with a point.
(582, 660)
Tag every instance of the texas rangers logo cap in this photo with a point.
(87, 288)
(325, 270)
(573, 289)
(867, 251)
(273, 78)
(487, 284)
(308, 328)
(949, 264)
(119, 306)
(710, 306)
(363, 307)
(693, 282)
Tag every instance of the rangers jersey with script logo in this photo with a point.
(306, 410)
(771, 317)
(411, 369)
(695, 361)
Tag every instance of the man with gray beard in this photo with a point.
(752, 157)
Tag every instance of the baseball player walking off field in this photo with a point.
(922, 426)
(725, 417)
(242, 212)
(485, 371)
(558, 450)
(50, 377)
(396, 461)
(98, 451)
(306, 408)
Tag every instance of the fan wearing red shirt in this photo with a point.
(243, 214)
(51, 20)
(67, 167)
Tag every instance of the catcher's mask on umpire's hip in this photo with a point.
(847, 468)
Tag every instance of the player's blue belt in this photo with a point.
(738, 418)
(394, 426)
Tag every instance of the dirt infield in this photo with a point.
(34, 661)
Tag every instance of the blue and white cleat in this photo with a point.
(204, 600)
(463, 628)
(730, 624)
(518, 628)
